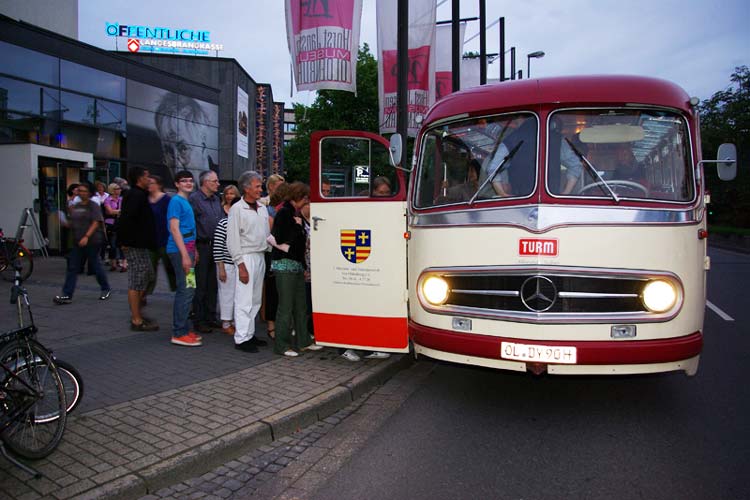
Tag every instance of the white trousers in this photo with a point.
(248, 297)
(226, 292)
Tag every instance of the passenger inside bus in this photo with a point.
(381, 187)
(619, 168)
(512, 163)
(463, 192)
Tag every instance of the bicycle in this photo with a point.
(13, 249)
(71, 378)
(33, 404)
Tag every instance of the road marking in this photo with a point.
(718, 311)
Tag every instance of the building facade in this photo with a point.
(76, 112)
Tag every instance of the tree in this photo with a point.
(725, 117)
(335, 110)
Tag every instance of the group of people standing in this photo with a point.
(213, 246)
(226, 256)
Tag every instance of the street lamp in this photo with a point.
(536, 55)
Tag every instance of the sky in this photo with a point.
(694, 43)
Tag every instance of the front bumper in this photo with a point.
(594, 357)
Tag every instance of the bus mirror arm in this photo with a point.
(726, 164)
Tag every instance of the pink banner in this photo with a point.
(323, 37)
(421, 73)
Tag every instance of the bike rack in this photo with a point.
(19, 464)
(26, 216)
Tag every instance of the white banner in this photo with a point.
(323, 39)
(421, 76)
(443, 58)
(470, 72)
(242, 123)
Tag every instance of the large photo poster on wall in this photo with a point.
(242, 125)
(168, 132)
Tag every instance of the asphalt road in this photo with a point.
(475, 433)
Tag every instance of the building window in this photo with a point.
(30, 98)
(91, 81)
(29, 64)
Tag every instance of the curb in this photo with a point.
(201, 459)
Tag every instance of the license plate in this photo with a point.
(538, 353)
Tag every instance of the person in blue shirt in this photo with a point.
(181, 252)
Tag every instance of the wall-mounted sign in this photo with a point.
(170, 40)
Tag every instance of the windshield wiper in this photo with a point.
(591, 167)
(499, 169)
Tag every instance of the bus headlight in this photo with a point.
(659, 296)
(435, 290)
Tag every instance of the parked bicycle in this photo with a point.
(36, 391)
(13, 249)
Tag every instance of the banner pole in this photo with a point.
(456, 53)
(402, 48)
(482, 43)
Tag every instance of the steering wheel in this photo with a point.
(614, 184)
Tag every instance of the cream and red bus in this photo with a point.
(553, 225)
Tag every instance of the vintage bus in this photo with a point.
(553, 225)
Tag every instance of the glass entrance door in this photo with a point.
(54, 177)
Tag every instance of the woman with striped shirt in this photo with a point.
(226, 274)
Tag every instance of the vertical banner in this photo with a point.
(277, 155)
(443, 61)
(323, 37)
(470, 72)
(262, 129)
(421, 76)
(242, 110)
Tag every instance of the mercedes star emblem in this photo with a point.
(538, 293)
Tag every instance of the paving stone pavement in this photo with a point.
(153, 413)
(295, 465)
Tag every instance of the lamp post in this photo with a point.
(536, 55)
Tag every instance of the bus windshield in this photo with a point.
(619, 153)
(478, 159)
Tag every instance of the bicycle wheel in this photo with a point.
(72, 382)
(22, 255)
(36, 432)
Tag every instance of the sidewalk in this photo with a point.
(153, 413)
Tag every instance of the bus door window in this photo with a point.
(350, 167)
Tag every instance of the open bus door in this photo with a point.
(357, 243)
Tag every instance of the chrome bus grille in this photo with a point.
(554, 295)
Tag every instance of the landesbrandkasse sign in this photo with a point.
(159, 39)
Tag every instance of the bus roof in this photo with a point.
(565, 90)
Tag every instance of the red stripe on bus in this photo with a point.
(606, 352)
(364, 331)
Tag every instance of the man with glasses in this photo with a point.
(208, 212)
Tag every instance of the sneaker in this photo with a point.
(257, 342)
(229, 330)
(193, 334)
(313, 347)
(291, 354)
(350, 355)
(62, 299)
(187, 341)
(246, 346)
(378, 355)
(105, 294)
(144, 326)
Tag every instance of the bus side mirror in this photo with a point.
(395, 150)
(727, 162)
